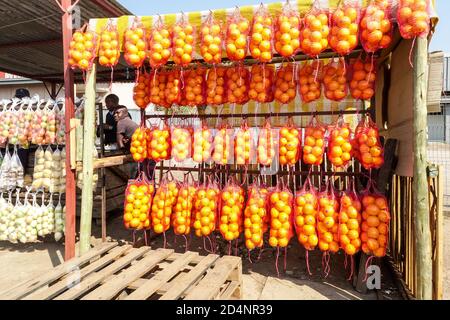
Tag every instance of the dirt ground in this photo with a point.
(260, 281)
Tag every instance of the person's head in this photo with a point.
(111, 101)
(120, 113)
(22, 93)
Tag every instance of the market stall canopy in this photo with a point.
(31, 35)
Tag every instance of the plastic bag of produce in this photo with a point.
(50, 131)
(203, 143)
(60, 220)
(223, 145)
(238, 29)
(181, 137)
(244, 147)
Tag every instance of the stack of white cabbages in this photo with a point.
(26, 222)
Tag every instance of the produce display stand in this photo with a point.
(113, 272)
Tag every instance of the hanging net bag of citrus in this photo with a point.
(305, 218)
(215, 86)
(193, 92)
(334, 77)
(314, 145)
(309, 81)
(109, 47)
(138, 147)
(165, 87)
(181, 138)
(244, 146)
(237, 84)
(159, 143)
(344, 23)
(287, 32)
(159, 44)
(83, 49)
(238, 29)
(285, 86)
(367, 144)
(141, 90)
(261, 83)
(211, 40)
(376, 26)
(261, 35)
(339, 144)
(223, 145)
(183, 37)
(350, 224)
(203, 143)
(328, 224)
(135, 46)
(363, 74)
(289, 144)
(315, 31)
(266, 144)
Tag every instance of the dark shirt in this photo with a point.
(126, 127)
(110, 134)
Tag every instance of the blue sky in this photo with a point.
(441, 39)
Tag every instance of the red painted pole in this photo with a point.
(70, 113)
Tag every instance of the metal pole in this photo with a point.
(423, 259)
(70, 113)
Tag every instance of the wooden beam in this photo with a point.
(108, 162)
(423, 259)
(88, 162)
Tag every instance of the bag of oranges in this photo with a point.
(181, 139)
(141, 90)
(281, 216)
(266, 145)
(138, 201)
(206, 205)
(367, 145)
(285, 88)
(211, 41)
(334, 78)
(375, 221)
(135, 46)
(203, 143)
(256, 216)
(165, 87)
(413, 18)
(138, 148)
(223, 144)
(261, 83)
(314, 142)
(193, 92)
(339, 144)
(244, 152)
(159, 44)
(363, 74)
(109, 49)
(232, 203)
(344, 23)
(287, 32)
(159, 143)
(315, 31)
(289, 143)
(183, 37)
(237, 84)
(376, 26)
(83, 49)
(309, 79)
(236, 36)
(261, 35)
(182, 210)
(163, 202)
(215, 86)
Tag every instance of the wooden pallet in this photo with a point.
(113, 272)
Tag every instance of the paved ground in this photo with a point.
(19, 262)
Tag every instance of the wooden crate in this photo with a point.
(113, 272)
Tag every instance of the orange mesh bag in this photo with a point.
(135, 46)
(315, 31)
(363, 74)
(305, 217)
(232, 203)
(334, 77)
(314, 145)
(289, 144)
(83, 49)
(255, 216)
(285, 87)
(109, 49)
(211, 41)
(367, 145)
(141, 90)
(339, 144)
(237, 84)
(266, 145)
(261, 35)
(165, 88)
(287, 31)
(138, 148)
(243, 146)
(138, 201)
(163, 202)
(376, 26)
(193, 92)
(181, 138)
(159, 41)
(375, 222)
(183, 37)
(182, 211)
(261, 83)
(159, 143)
(344, 22)
(203, 144)
(222, 145)
(413, 18)
(215, 86)
(309, 80)
(236, 37)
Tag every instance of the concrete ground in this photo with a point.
(19, 262)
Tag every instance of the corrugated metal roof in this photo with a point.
(31, 40)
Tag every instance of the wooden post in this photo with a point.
(88, 161)
(69, 114)
(102, 171)
(423, 261)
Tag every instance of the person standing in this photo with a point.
(110, 126)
